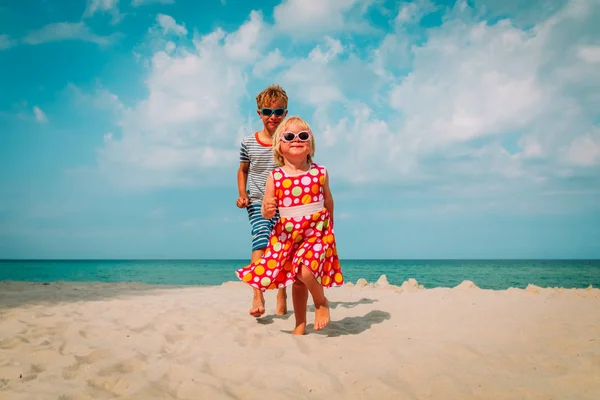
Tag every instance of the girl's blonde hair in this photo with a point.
(277, 139)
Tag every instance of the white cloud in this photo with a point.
(333, 48)
(271, 62)
(168, 24)
(321, 78)
(523, 13)
(94, 6)
(473, 86)
(190, 121)
(413, 11)
(482, 93)
(584, 150)
(170, 47)
(590, 54)
(242, 44)
(137, 3)
(101, 99)
(6, 42)
(67, 31)
(311, 18)
(40, 116)
(103, 6)
(471, 106)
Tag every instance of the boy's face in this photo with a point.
(272, 121)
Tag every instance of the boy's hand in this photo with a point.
(242, 202)
(269, 208)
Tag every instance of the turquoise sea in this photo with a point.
(487, 274)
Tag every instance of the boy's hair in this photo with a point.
(277, 139)
(270, 94)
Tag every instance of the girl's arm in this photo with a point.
(328, 196)
(269, 205)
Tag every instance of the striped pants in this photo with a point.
(261, 227)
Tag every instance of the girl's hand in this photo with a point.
(269, 207)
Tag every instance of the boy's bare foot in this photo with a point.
(321, 315)
(300, 329)
(281, 302)
(258, 304)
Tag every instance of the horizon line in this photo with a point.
(341, 259)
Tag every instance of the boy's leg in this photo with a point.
(299, 299)
(281, 301)
(258, 300)
(261, 231)
(318, 295)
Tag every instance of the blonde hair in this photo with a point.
(277, 156)
(270, 94)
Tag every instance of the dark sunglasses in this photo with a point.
(267, 112)
(303, 136)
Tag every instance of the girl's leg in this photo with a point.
(318, 295)
(258, 300)
(299, 299)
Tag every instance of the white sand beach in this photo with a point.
(103, 341)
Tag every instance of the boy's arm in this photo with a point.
(328, 196)
(242, 178)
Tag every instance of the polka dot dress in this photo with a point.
(297, 241)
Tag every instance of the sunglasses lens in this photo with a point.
(288, 136)
(266, 112)
(279, 112)
(303, 136)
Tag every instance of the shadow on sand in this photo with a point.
(18, 293)
(269, 319)
(350, 325)
(346, 304)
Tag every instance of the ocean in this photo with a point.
(487, 274)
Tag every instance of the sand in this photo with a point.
(132, 341)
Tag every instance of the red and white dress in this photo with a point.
(302, 236)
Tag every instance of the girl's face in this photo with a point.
(296, 148)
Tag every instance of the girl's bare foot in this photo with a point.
(258, 304)
(321, 315)
(300, 329)
(281, 302)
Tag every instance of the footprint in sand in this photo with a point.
(121, 378)
(125, 367)
(143, 328)
(177, 343)
(71, 371)
(85, 362)
(176, 337)
(94, 356)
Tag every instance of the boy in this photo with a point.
(256, 161)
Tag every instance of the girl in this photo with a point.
(301, 249)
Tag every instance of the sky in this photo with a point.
(449, 129)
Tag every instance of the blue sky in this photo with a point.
(450, 129)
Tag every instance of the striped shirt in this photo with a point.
(260, 157)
